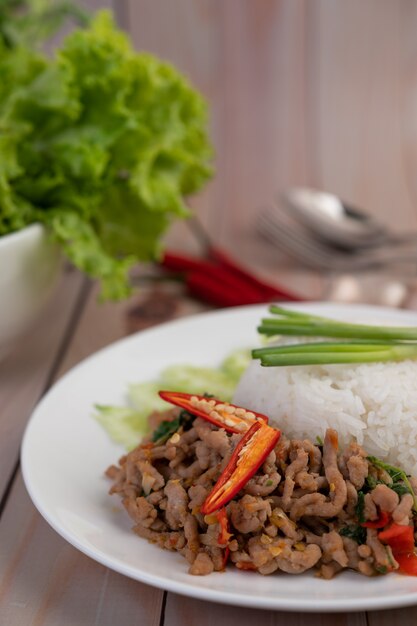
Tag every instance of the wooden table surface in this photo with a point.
(316, 93)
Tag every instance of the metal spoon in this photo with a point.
(338, 223)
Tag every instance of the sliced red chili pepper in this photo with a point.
(270, 291)
(247, 457)
(215, 411)
(222, 280)
(177, 262)
(224, 534)
(214, 283)
(407, 563)
(221, 289)
(382, 521)
(401, 541)
(399, 538)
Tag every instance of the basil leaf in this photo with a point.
(168, 427)
(399, 477)
(357, 533)
(165, 429)
(360, 507)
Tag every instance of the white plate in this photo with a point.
(65, 453)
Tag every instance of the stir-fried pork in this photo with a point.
(304, 507)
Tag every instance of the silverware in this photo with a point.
(298, 242)
(338, 223)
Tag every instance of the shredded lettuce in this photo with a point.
(123, 424)
(128, 424)
(101, 144)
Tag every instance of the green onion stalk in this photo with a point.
(362, 343)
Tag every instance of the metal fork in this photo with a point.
(303, 247)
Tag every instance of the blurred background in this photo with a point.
(319, 93)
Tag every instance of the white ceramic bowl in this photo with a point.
(29, 267)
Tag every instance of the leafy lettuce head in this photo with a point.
(101, 144)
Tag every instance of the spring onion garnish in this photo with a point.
(369, 343)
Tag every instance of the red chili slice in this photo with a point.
(216, 413)
(382, 521)
(224, 534)
(247, 457)
(407, 563)
(400, 538)
(401, 541)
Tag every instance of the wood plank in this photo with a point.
(180, 611)
(103, 323)
(46, 581)
(361, 106)
(25, 373)
(398, 617)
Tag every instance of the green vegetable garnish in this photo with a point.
(357, 533)
(401, 484)
(122, 423)
(101, 144)
(128, 424)
(168, 427)
(360, 507)
(400, 489)
(30, 23)
(370, 343)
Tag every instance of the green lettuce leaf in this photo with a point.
(33, 22)
(101, 144)
(124, 425)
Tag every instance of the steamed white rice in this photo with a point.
(376, 404)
